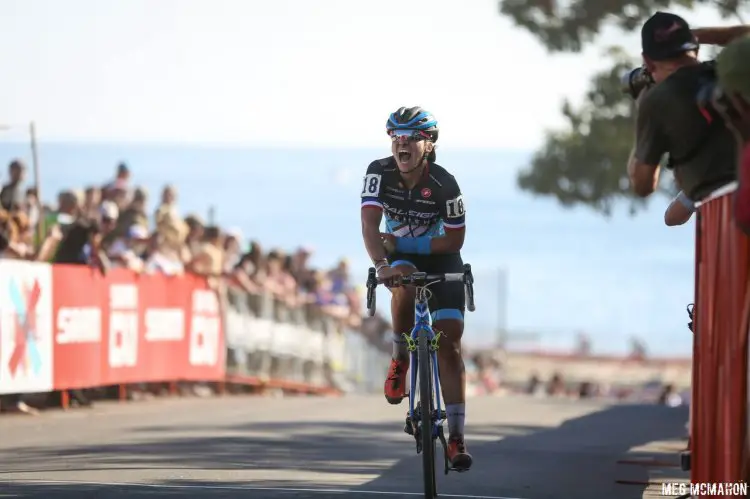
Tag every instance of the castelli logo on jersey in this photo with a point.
(426, 192)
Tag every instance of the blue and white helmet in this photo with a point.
(413, 118)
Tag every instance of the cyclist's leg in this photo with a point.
(402, 316)
(447, 307)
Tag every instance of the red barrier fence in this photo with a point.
(720, 357)
(65, 327)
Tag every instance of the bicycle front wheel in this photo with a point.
(424, 362)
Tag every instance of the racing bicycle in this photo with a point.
(424, 421)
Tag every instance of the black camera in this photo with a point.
(635, 81)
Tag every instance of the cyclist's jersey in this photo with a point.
(434, 205)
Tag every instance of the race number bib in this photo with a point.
(371, 185)
(455, 207)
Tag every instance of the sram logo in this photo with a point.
(205, 328)
(123, 325)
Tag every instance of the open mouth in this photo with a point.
(404, 156)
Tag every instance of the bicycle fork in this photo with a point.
(438, 415)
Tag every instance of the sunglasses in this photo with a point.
(408, 135)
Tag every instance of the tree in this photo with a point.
(585, 162)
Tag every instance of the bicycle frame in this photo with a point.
(423, 322)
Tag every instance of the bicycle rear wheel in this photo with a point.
(424, 362)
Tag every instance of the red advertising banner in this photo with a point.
(127, 328)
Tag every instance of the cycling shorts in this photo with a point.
(448, 299)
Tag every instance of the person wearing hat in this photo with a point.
(670, 119)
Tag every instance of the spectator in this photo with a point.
(345, 293)
(167, 211)
(232, 249)
(104, 227)
(278, 281)
(209, 259)
(23, 246)
(92, 197)
(534, 385)
(80, 245)
(340, 277)
(129, 251)
(556, 385)
(194, 238)
(253, 263)
(119, 188)
(300, 269)
(33, 208)
(168, 253)
(58, 223)
(378, 332)
(11, 195)
(334, 304)
(8, 236)
(135, 213)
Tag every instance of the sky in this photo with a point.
(282, 72)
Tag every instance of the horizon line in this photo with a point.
(240, 145)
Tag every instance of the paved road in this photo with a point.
(353, 447)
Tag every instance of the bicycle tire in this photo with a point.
(424, 367)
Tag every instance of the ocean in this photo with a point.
(567, 270)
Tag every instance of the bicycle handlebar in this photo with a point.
(423, 279)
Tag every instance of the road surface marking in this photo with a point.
(250, 487)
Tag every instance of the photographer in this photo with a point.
(671, 117)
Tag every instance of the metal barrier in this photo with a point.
(722, 308)
(271, 343)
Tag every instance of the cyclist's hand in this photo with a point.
(389, 242)
(390, 277)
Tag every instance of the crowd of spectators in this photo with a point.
(109, 226)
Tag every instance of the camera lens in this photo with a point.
(634, 81)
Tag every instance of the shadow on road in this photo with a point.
(575, 460)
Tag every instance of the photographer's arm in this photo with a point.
(650, 145)
(721, 35)
(679, 211)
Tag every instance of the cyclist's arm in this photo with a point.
(451, 242)
(650, 146)
(453, 213)
(372, 214)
